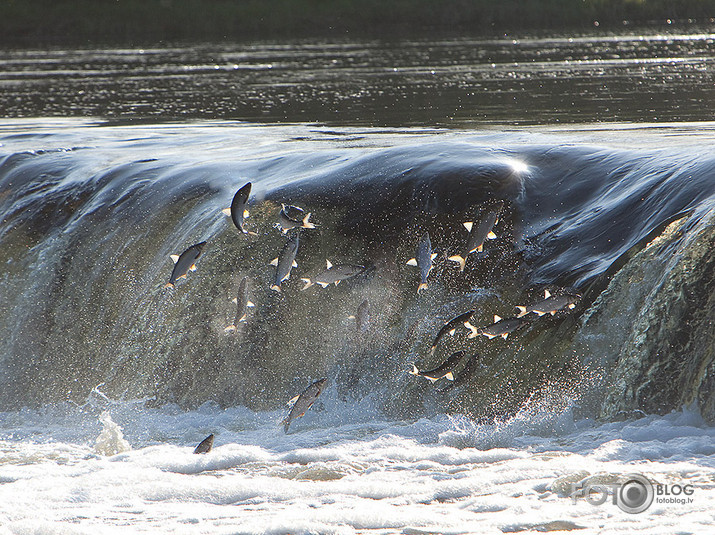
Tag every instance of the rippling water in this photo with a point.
(447, 82)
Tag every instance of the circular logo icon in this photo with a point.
(635, 494)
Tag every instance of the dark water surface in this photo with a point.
(630, 77)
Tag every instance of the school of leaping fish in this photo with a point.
(293, 219)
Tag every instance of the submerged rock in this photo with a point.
(654, 325)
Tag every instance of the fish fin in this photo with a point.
(522, 311)
(294, 264)
(572, 306)
(352, 317)
(547, 294)
(230, 329)
(468, 225)
(226, 211)
(245, 214)
(169, 285)
(324, 284)
(553, 312)
(193, 267)
(461, 261)
(292, 400)
(250, 233)
(250, 304)
(307, 223)
(539, 313)
(451, 333)
(491, 236)
(474, 330)
(490, 336)
(432, 349)
(234, 300)
(308, 284)
(181, 276)
(449, 376)
(433, 256)
(273, 262)
(480, 248)
(412, 262)
(431, 379)
(497, 319)
(496, 221)
(276, 288)
(422, 286)
(337, 282)
(414, 371)
(175, 258)
(328, 265)
(243, 319)
(505, 336)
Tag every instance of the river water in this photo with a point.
(599, 149)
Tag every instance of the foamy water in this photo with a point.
(342, 469)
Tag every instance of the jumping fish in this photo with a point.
(440, 371)
(242, 305)
(362, 317)
(450, 327)
(291, 217)
(500, 327)
(333, 274)
(184, 263)
(550, 304)
(286, 261)
(478, 234)
(423, 260)
(205, 445)
(238, 211)
(303, 402)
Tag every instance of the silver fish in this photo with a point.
(333, 274)
(440, 372)
(500, 327)
(550, 304)
(362, 317)
(205, 445)
(238, 211)
(423, 260)
(303, 402)
(450, 328)
(286, 261)
(478, 234)
(242, 305)
(184, 263)
(291, 217)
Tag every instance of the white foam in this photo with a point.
(352, 476)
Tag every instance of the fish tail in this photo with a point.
(307, 223)
(475, 330)
(414, 371)
(308, 283)
(461, 261)
(522, 311)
